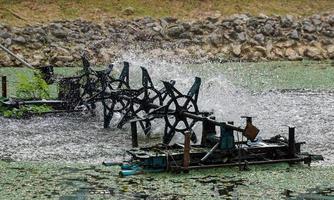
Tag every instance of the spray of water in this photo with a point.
(77, 138)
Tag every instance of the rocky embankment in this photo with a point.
(239, 37)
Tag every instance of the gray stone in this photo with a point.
(287, 21)
(314, 53)
(39, 30)
(163, 23)
(310, 37)
(294, 35)
(186, 35)
(259, 38)
(268, 29)
(215, 39)
(59, 33)
(4, 34)
(8, 42)
(308, 27)
(212, 19)
(64, 59)
(56, 25)
(239, 28)
(226, 24)
(236, 49)
(156, 28)
(316, 22)
(170, 19)
(175, 31)
(331, 20)
(329, 32)
(242, 37)
(186, 26)
(20, 40)
(242, 17)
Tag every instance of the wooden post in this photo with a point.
(186, 153)
(4, 86)
(134, 134)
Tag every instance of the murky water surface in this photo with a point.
(81, 138)
(70, 148)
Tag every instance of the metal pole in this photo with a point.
(16, 57)
(207, 129)
(292, 142)
(134, 134)
(4, 86)
(186, 153)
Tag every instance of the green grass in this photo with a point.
(37, 11)
(27, 180)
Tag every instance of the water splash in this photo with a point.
(81, 138)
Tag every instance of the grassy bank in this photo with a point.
(20, 12)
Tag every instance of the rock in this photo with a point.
(259, 38)
(242, 17)
(286, 44)
(278, 52)
(226, 24)
(56, 25)
(287, 21)
(156, 28)
(8, 42)
(331, 20)
(268, 29)
(196, 29)
(316, 22)
(59, 33)
(186, 26)
(313, 52)
(329, 32)
(236, 49)
(263, 16)
(169, 19)
(308, 27)
(239, 28)
(261, 49)
(64, 59)
(4, 34)
(215, 39)
(20, 40)
(294, 35)
(128, 11)
(241, 37)
(212, 19)
(310, 37)
(175, 31)
(330, 51)
(291, 54)
(36, 60)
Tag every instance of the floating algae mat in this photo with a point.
(23, 180)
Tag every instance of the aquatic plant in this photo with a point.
(32, 88)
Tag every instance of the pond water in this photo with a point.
(275, 94)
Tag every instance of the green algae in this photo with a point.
(28, 180)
